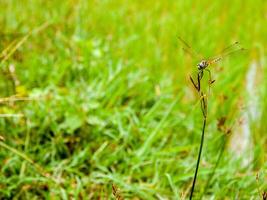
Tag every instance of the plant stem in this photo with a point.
(199, 156)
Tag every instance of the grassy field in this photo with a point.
(97, 93)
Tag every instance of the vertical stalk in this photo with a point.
(199, 156)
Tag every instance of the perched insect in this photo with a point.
(205, 63)
(202, 66)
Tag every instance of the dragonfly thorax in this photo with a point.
(202, 65)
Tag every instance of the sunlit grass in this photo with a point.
(113, 102)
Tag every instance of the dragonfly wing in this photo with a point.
(188, 49)
(232, 49)
(189, 52)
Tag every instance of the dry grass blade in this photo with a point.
(13, 47)
(25, 157)
(116, 192)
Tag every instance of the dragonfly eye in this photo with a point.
(201, 65)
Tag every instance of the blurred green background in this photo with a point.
(100, 95)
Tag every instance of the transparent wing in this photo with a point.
(230, 47)
(188, 49)
(230, 50)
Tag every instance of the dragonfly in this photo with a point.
(203, 65)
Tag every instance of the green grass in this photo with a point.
(110, 101)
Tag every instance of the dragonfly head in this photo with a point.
(202, 65)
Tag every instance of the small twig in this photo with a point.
(11, 115)
(257, 180)
(16, 98)
(263, 195)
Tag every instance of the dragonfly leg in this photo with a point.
(211, 81)
(195, 85)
